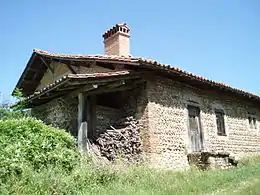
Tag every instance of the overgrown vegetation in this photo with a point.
(40, 159)
(28, 142)
(16, 111)
(87, 178)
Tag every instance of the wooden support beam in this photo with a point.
(80, 108)
(47, 65)
(81, 90)
(116, 84)
(82, 125)
(71, 69)
(124, 87)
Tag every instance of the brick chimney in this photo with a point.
(116, 40)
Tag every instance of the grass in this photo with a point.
(88, 178)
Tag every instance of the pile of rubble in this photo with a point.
(212, 160)
(121, 140)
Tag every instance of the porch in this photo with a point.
(99, 102)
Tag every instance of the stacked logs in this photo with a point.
(120, 141)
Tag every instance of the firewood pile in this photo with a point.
(122, 140)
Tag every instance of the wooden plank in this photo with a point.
(116, 84)
(81, 90)
(80, 108)
(47, 65)
(106, 89)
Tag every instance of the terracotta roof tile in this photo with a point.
(77, 76)
(139, 62)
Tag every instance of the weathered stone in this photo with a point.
(59, 113)
(160, 107)
(168, 124)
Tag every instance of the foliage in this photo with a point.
(28, 142)
(17, 111)
(91, 178)
(21, 103)
(6, 113)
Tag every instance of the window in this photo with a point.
(220, 122)
(252, 122)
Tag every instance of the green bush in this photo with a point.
(6, 114)
(28, 142)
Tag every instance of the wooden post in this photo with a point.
(92, 116)
(82, 124)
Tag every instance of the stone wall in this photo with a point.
(134, 104)
(105, 117)
(135, 138)
(168, 145)
(59, 113)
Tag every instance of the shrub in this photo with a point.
(6, 114)
(28, 142)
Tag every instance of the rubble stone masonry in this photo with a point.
(160, 106)
(59, 113)
(168, 123)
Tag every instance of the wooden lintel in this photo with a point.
(124, 87)
(116, 84)
(81, 90)
(47, 65)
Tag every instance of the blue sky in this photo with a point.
(217, 39)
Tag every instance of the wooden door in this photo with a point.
(195, 134)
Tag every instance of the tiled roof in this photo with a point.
(128, 59)
(78, 76)
(153, 64)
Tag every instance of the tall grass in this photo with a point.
(92, 178)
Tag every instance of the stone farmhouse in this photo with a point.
(181, 117)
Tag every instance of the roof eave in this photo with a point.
(18, 85)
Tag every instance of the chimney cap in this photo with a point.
(124, 28)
